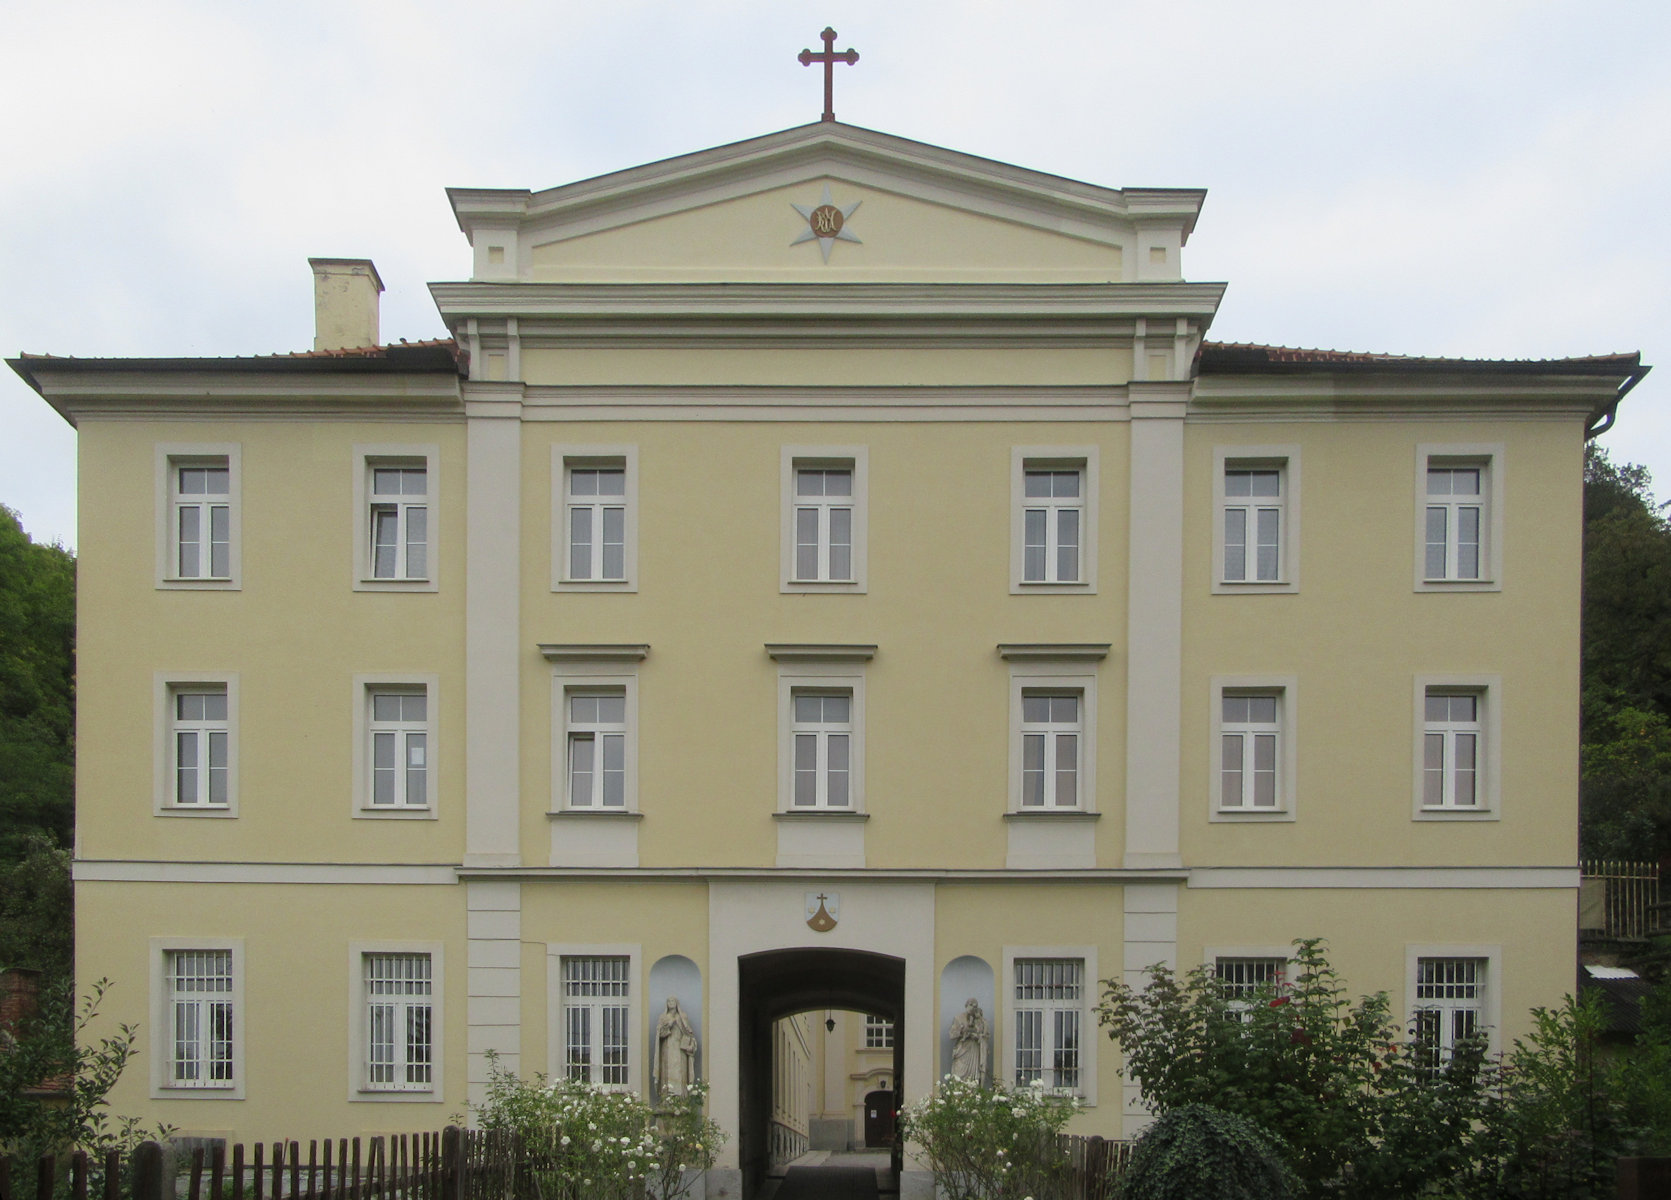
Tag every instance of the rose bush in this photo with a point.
(985, 1142)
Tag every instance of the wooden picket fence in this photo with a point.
(1094, 1166)
(454, 1164)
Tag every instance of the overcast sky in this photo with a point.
(1472, 178)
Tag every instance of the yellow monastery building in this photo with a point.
(824, 573)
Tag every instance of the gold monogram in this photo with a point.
(825, 221)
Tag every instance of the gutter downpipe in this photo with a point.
(1604, 421)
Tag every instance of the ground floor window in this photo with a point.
(596, 1019)
(1049, 1009)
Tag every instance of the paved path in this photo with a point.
(851, 1176)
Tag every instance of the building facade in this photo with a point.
(822, 572)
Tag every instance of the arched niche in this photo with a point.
(963, 979)
(676, 975)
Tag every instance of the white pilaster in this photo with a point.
(492, 625)
(1154, 634)
(1151, 936)
(493, 1002)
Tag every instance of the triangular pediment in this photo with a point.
(827, 202)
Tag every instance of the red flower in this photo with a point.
(1279, 1002)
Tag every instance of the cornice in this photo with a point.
(1054, 651)
(143, 395)
(571, 652)
(820, 652)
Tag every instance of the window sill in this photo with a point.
(1051, 814)
(396, 585)
(380, 1096)
(1251, 587)
(1052, 587)
(595, 585)
(833, 586)
(618, 814)
(197, 810)
(821, 814)
(1455, 814)
(1458, 585)
(395, 814)
(1250, 816)
(198, 585)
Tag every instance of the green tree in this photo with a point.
(1198, 1152)
(37, 689)
(37, 919)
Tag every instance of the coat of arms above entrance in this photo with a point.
(826, 222)
(823, 909)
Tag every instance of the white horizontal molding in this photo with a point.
(1054, 651)
(1384, 877)
(1112, 875)
(578, 652)
(140, 395)
(133, 871)
(815, 652)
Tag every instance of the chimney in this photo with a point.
(345, 294)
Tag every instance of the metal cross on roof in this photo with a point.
(829, 57)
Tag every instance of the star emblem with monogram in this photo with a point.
(826, 223)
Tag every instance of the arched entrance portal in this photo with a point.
(777, 983)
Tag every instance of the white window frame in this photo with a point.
(364, 686)
(1090, 1044)
(568, 457)
(166, 685)
(170, 457)
(366, 459)
(1286, 689)
(568, 678)
(162, 953)
(1054, 458)
(1285, 460)
(821, 677)
(878, 1032)
(853, 458)
(557, 1028)
(1059, 678)
(1213, 955)
(1490, 955)
(1488, 457)
(360, 1087)
(1488, 760)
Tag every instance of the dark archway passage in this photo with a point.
(777, 983)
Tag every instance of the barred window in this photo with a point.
(1450, 1001)
(400, 1041)
(596, 1019)
(200, 1009)
(1240, 979)
(1049, 995)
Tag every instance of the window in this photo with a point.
(823, 736)
(1050, 525)
(395, 493)
(395, 746)
(198, 516)
(202, 746)
(1253, 748)
(1053, 527)
(594, 521)
(596, 1019)
(824, 518)
(1240, 980)
(1450, 1002)
(879, 1033)
(821, 721)
(196, 745)
(1049, 1011)
(1255, 537)
(399, 748)
(597, 739)
(1459, 517)
(1248, 738)
(196, 1018)
(395, 1027)
(1457, 741)
(1053, 722)
(1051, 732)
(400, 1039)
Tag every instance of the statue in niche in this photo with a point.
(970, 1036)
(675, 1051)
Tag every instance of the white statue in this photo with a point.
(675, 1051)
(970, 1035)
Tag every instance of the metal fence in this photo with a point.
(1619, 899)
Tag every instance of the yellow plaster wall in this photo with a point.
(708, 600)
(295, 1017)
(1368, 931)
(970, 366)
(296, 634)
(747, 239)
(661, 917)
(1357, 634)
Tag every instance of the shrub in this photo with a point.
(985, 1142)
(1198, 1152)
(580, 1140)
